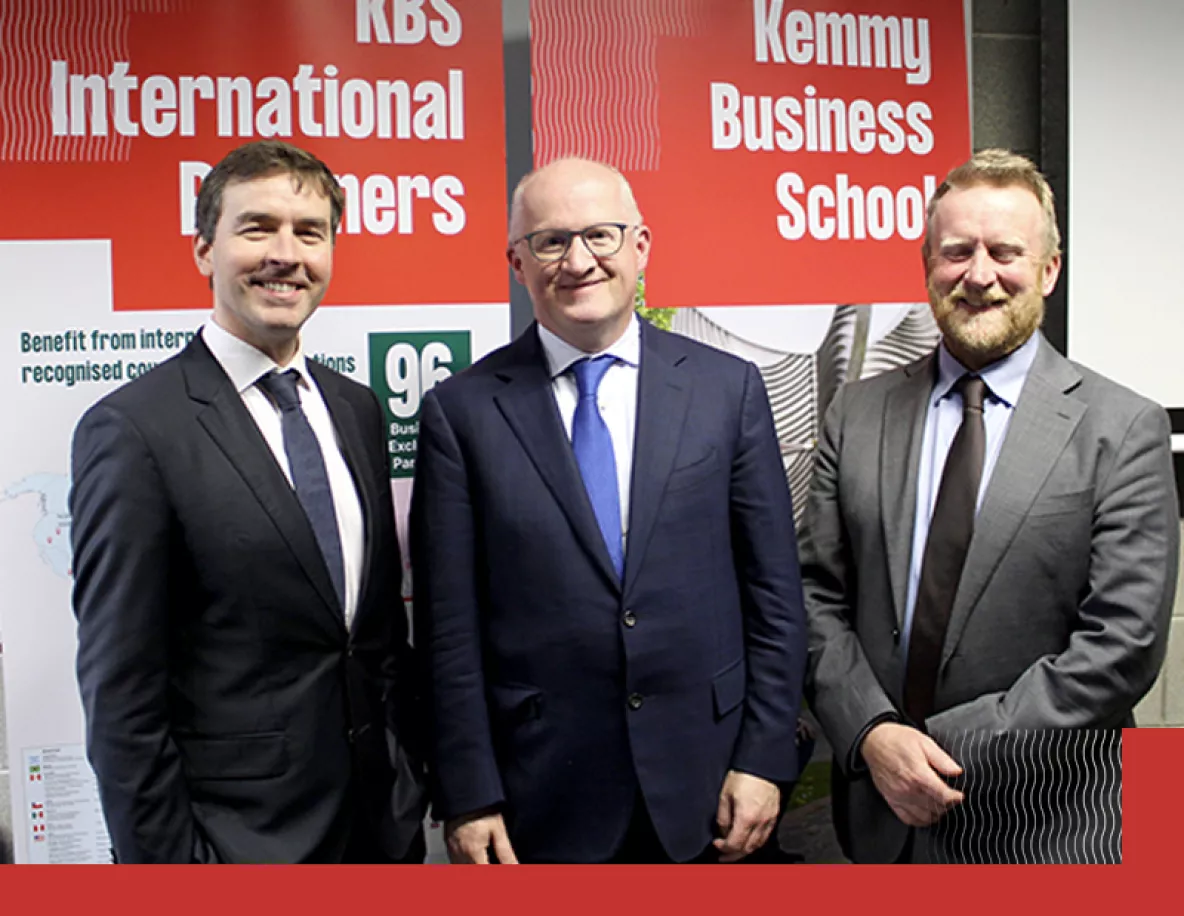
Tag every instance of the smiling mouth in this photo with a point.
(278, 286)
(981, 306)
(588, 284)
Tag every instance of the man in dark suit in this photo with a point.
(606, 577)
(243, 652)
(992, 531)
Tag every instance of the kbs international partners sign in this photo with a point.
(114, 111)
(782, 151)
(111, 114)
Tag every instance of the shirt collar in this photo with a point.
(243, 363)
(561, 355)
(1004, 378)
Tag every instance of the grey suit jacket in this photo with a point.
(1061, 616)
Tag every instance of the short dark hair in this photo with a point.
(262, 159)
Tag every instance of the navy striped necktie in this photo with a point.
(309, 477)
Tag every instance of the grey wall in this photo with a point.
(1006, 70)
(519, 154)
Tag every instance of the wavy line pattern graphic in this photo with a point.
(915, 336)
(595, 79)
(1033, 797)
(801, 385)
(793, 394)
(791, 382)
(90, 36)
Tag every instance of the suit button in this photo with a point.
(635, 701)
(630, 619)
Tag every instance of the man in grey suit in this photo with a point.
(1056, 605)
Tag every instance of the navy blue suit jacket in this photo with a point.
(557, 689)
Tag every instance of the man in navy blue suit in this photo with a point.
(605, 570)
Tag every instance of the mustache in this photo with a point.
(288, 273)
(978, 300)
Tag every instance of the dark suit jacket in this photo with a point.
(1061, 615)
(557, 689)
(230, 715)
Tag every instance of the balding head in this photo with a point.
(582, 289)
(558, 176)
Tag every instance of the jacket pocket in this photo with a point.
(727, 688)
(255, 756)
(516, 705)
(687, 475)
(1062, 504)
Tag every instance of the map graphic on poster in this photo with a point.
(51, 533)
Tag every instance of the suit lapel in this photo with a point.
(663, 395)
(528, 404)
(227, 421)
(1039, 430)
(900, 458)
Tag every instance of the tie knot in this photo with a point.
(589, 373)
(973, 389)
(283, 388)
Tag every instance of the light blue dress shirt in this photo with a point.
(1004, 380)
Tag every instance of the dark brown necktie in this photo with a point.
(945, 551)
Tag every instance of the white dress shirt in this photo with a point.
(616, 398)
(245, 365)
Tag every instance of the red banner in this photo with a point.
(782, 152)
(1154, 804)
(112, 112)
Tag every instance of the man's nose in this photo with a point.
(282, 247)
(578, 260)
(980, 271)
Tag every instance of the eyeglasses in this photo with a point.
(603, 240)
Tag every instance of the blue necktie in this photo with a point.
(309, 477)
(593, 446)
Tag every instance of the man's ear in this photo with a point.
(926, 261)
(201, 256)
(644, 238)
(515, 264)
(1049, 275)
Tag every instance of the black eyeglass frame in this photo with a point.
(570, 235)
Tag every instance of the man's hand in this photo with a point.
(907, 767)
(747, 814)
(470, 837)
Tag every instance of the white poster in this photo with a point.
(64, 348)
(110, 115)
